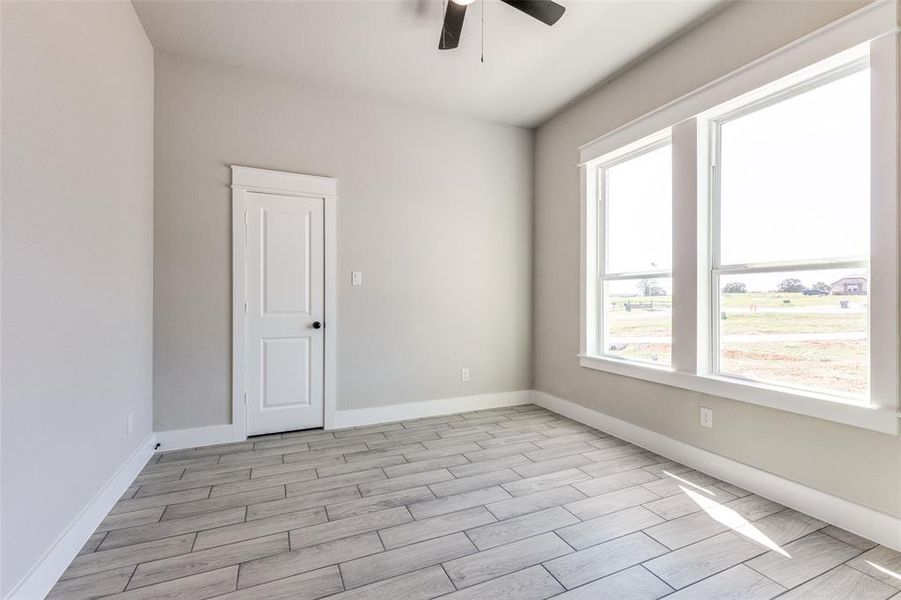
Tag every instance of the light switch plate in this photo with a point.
(706, 417)
(356, 278)
(464, 374)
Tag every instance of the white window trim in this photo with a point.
(876, 25)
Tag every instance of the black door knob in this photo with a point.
(317, 325)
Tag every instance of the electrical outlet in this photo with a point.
(464, 374)
(356, 278)
(130, 425)
(706, 417)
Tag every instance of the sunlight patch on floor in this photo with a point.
(882, 569)
(687, 482)
(733, 520)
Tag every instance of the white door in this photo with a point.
(284, 318)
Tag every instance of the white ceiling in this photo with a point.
(389, 48)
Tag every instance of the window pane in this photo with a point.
(639, 213)
(806, 330)
(639, 320)
(795, 177)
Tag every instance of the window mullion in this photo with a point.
(685, 246)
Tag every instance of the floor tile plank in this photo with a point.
(737, 582)
(803, 559)
(468, 469)
(877, 561)
(131, 519)
(335, 481)
(165, 569)
(406, 482)
(606, 527)
(634, 583)
(105, 560)
(424, 584)
(595, 506)
(198, 507)
(193, 587)
(133, 504)
(841, 582)
(295, 503)
(447, 504)
(473, 482)
(399, 561)
(92, 586)
(155, 489)
(361, 506)
(257, 483)
(306, 586)
(441, 525)
(488, 564)
(513, 507)
(703, 559)
(517, 528)
(164, 529)
(333, 530)
(540, 483)
(603, 559)
(258, 528)
(533, 583)
(551, 466)
(617, 481)
(442, 462)
(308, 558)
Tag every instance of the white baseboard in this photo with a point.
(429, 408)
(38, 582)
(179, 439)
(867, 522)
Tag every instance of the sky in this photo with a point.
(795, 186)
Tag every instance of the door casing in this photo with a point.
(249, 179)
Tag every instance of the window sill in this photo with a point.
(875, 418)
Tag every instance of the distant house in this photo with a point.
(850, 286)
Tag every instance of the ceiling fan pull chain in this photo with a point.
(482, 58)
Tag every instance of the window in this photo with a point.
(791, 236)
(742, 241)
(635, 197)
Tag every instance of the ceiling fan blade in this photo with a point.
(453, 25)
(546, 11)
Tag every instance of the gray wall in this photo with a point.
(435, 210)
(853, 463)
(77, 177)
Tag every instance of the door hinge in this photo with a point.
(245, 398)
(245, 308)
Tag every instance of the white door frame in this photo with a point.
(249, 179)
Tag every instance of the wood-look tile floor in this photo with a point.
(515, 503)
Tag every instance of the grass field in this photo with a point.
(830, 365)
(833, 364)
(648, 323)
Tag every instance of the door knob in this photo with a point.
(317, 325)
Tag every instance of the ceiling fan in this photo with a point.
(546, 11)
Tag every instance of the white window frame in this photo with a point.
(871, 31)
(713, 123)
(650, 144)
